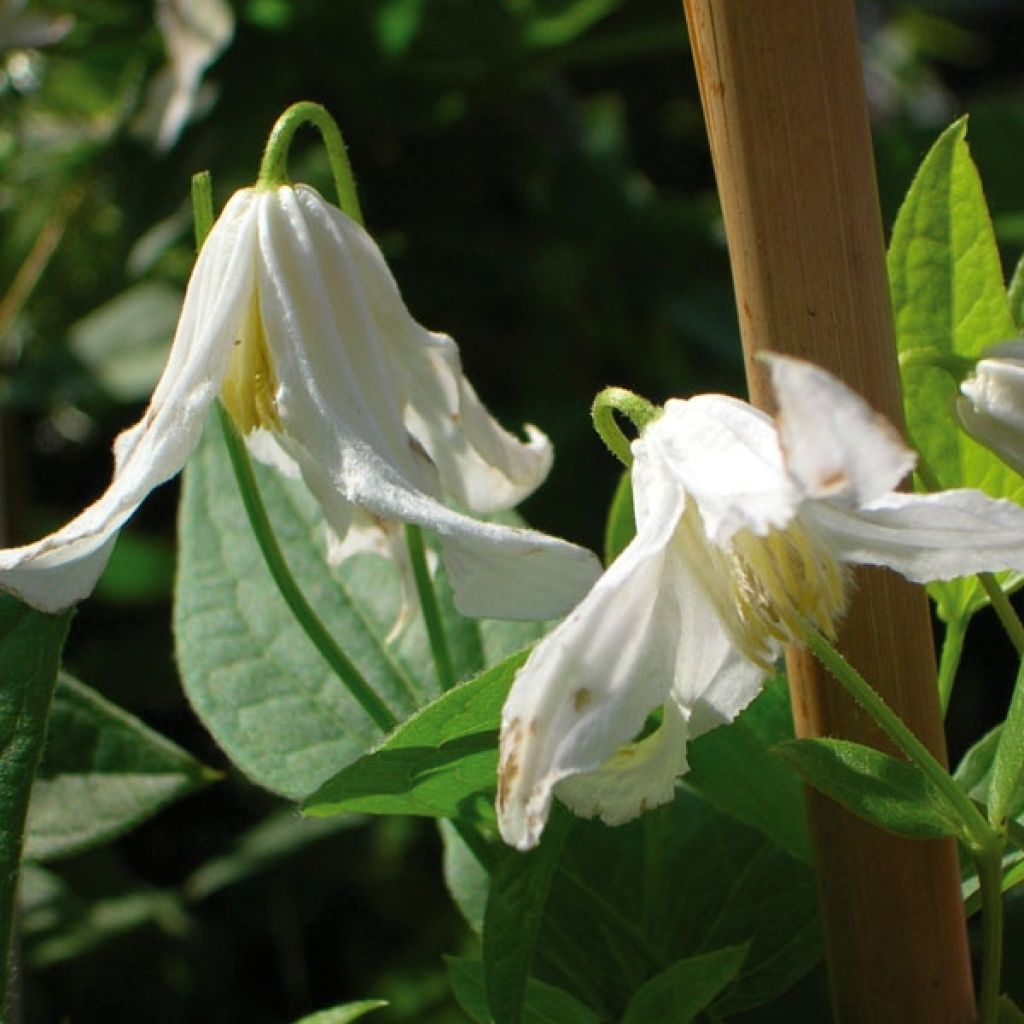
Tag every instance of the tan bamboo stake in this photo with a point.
(781, 86)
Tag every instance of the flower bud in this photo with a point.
(991, 403)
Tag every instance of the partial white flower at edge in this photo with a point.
(293, 316)
(744, 526)
(991, 406)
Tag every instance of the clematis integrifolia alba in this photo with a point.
(744, 528)
(293, 317)
(991, 403)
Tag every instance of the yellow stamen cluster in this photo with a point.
(250, 383)
(763, 586)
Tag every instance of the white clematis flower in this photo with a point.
(292, 315)
(991, 406)
(744, 526)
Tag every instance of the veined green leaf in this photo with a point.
(102, 772)
(518, 897)
(889, 793)
(679, 993)
(436, 763)
(251, 673)
(735, 768)
(948, 296)
(30, 647)
(544, 1004)
(1008, 764)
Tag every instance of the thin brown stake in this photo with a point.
(783, 98)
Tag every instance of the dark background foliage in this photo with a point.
(537, 174)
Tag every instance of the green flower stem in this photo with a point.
(989, 864)
(429, 606)
(1002, 607)
(274, 167)
(202, 210)
(638, 410)
(949, 662)
(977, 831)
(310, 622)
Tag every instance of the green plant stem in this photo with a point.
(274, 167)
(1004, 609)
(989, 864)
(371, 703)
(638, 410)
(949, 661)
(430, 608)
(310, 622)
(977, 831)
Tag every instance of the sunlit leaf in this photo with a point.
(889, 793)
(948, 295)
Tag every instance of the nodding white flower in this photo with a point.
(744, 528)
(292, 315)
(991, 406)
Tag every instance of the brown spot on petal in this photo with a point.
(833, 481)
(581, 699)
(534, 726)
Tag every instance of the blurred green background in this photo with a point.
(537, 174)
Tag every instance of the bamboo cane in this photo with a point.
(781, 86)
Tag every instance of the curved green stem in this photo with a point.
(989, 864)
(310, 622)
(430, 608)
(638, 410)
(977, 830)
(1004, 609)
(949, 661)
(202, 207)
(274, 167)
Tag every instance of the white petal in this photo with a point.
(482, 466)
(55, 572)
(587, 688)
(325, 304)
(991, 408)
(725, 456)
(927, 536)
(341, 417)
(834, 443)
(712, 682)
(636, 778)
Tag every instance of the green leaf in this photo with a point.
(102, 772)
(344, 1014)
(1009, 1012)
(1015, 295)
(125, 342)
(1008, 763)
(260, 848)
(737, 770)
(687, 987)
(620, 528)
(252, 674)
(437, 763)
(544, 1004)
(468, 881)
(628, 902)
(889, 793)
(30, 647)
(520, 885)
(948, 295)
(59, 925)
